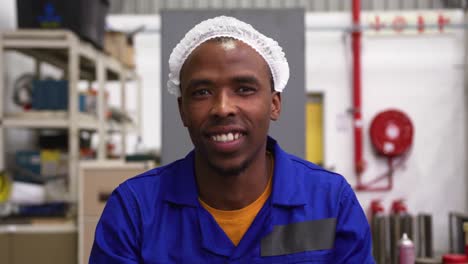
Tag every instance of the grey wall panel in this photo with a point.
(285, 26)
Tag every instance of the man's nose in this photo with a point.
(224, 105)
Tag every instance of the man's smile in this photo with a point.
(229, 137)
(226, 138)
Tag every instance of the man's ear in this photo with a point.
(275, 106)
(181, 111)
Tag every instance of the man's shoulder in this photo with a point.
(155, 174)
(315, 174)
(151, 181)
(304, 182)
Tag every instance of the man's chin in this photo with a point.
(229, 170)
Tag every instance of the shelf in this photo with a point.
(113, 127)
(53, 46)
(60, 120)
(79, 61)
(38, 228)
(48, 119)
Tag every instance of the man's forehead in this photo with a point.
(227, 43)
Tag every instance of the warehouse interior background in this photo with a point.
(413, 59)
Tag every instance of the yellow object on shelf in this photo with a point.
(5, 187)
(465, 228)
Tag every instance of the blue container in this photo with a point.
(52, 95)
(49, 95)
(27, 161)
(82, 102)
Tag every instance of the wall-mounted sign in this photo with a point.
(423, 22)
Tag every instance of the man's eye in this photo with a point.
(201, 92)
(246, 90)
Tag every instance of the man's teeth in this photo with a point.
(226, 137)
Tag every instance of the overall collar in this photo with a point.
(181, 186)
(288, 190)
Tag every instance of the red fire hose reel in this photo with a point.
(391, 133)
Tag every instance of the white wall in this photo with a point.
(8, 15)
(421, 75)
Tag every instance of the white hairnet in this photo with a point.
(224, 26)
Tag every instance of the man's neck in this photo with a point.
(232, 192)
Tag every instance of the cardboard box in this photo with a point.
(44, 248)
(118, 45)
(97, 181)
(38, 247)
(98, 185)
(89, 228)
(4, 248)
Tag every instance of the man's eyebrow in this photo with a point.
(238, 79)
(198, 82)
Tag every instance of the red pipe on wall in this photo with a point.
(357, 118)
(359, 162)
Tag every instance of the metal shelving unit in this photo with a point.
(80, 61)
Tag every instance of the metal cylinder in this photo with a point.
(379, 228)
(424, 243)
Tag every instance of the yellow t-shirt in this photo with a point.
(236, 222)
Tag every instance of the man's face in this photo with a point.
(226, 103)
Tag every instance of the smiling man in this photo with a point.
(237, 197)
